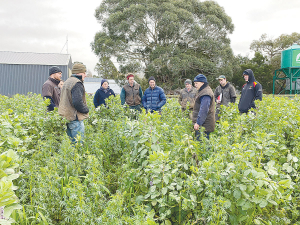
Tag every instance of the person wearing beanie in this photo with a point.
(204, 107)
(251, 91)
(154, 97)
(187, 95)
(132, 93)
(51, 89)
(73, 104)
(103, 93)
(224, 94)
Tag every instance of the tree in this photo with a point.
(271, 47)
(106, 69)
(170, 39)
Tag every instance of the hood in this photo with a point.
(251, 75)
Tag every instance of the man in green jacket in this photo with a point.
(132, 93)
(187, 95)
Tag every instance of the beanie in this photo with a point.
(54, 69)
(151, 78)
(78, 68)
(129, 75)
(245, 73)
(104, 80)
(187, 81)
(200, 78)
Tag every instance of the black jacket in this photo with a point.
(251, 91)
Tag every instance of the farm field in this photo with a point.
(147, 168)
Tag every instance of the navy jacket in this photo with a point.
(154, 99)
(251, 91)
(100, 96)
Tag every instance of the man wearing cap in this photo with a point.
(51, 89)
(224, 94)
(73, 102)
(187, 94)
(154, 97)
(251, 91)
(204, 107)
(131, 93)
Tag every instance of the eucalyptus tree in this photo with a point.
(170, 39)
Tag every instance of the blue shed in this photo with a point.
(23, 72)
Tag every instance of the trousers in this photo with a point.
(75, 128)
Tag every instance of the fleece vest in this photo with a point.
(66, 107)
(132, 94)
(209, 123)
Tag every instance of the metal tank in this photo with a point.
(289, 72)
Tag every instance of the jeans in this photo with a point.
(75, 128)
(205, 134)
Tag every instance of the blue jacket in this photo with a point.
(154, 99)
(100, 96)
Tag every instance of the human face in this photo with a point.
(57, 76)
(131, 81)
(84, 75)
(222, 82)
(246, 77)
(198, 85)
(152, 84)
(60, 85)
(188, 86)
(105, 85)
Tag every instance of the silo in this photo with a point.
(290, 70)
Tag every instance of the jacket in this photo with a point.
(73, 102)
(131, 95)
(228, 94)
(251, 91)
(154, 99)
(209, 122)
(187, 96)
(101, 95)
(51, 91)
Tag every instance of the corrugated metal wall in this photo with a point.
(21, 79)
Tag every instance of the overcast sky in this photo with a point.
(43, 25)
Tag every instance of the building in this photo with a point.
(91, 85)
(23, 72)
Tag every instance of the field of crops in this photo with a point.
(147, 168)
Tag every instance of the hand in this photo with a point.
(218, 101)
(196, 126)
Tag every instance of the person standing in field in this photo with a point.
(51, 89)
(103, 93)
(132, 93)
(154, 97)
(224, 94)
(204, 108)
(73, 104)
(187, 95)
(251, 91)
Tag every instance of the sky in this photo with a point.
(44, 26)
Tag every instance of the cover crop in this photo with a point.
(148, 169)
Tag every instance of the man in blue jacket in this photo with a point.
(154, 97)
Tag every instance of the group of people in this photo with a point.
(204, 104)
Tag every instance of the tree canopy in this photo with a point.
(271, 47)
(170, 39)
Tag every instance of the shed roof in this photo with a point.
(32, 58)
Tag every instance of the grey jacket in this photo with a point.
(228, 94)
